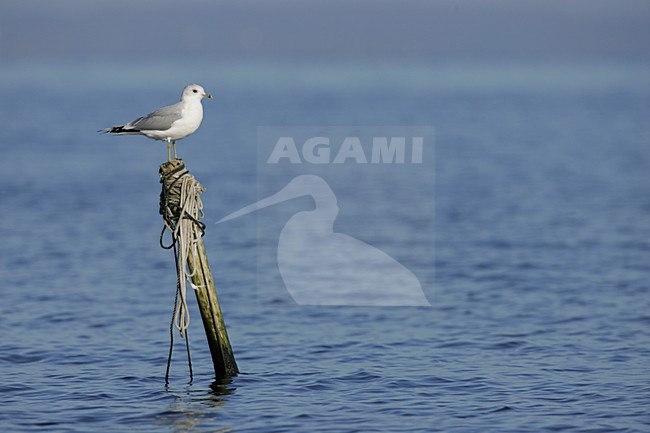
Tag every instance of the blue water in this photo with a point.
(539, 283)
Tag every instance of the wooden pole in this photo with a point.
(206, 294)
(215, 327)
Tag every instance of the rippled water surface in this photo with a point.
(539, 284)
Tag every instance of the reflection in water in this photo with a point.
(221, 387)
(191, 407)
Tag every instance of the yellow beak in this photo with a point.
(207, 95)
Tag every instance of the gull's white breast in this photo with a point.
(191, 118)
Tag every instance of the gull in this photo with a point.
(170, 123)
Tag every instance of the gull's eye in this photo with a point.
(195, 91)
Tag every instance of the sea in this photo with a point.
(529, 233)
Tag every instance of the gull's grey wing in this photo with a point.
(159, 120)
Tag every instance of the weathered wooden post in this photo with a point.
(181, 207)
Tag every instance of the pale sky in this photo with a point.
(423, 30)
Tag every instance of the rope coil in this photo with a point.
(181, 208)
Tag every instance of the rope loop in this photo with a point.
(182, 209)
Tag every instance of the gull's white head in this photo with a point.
(194, 91)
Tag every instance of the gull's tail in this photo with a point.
(120, 130)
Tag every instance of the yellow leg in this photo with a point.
(169, 154)
(174, 144)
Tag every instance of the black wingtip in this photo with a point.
(119, 130)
